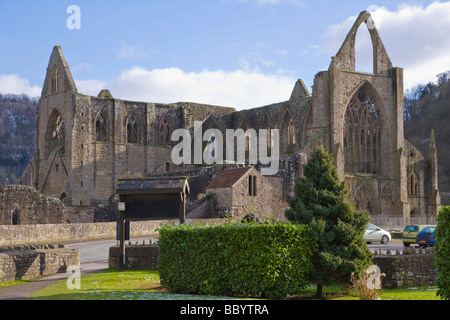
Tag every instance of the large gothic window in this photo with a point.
(362, 131)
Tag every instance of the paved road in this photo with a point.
(95, 250)
(392, 245)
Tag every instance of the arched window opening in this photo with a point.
(287, 132)
(291, 133)
(269, 138)
(362, 133)
(101, 128)
(164, 132)
(252, 185)
(363, 50)
(247, 138)
(55, 136)
(15, 217)
(132, 130)
(413, 184)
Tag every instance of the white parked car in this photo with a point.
(376, 234)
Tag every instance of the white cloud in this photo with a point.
(15, 84)
(239, 89)
(282, 52)
(416, 39)
(130, 51)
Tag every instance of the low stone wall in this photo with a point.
(137, 257)
(47, 233)
(408, 268)
(29, 262)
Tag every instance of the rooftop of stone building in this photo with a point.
(228, 177)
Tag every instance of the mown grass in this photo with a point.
(113, 285)
(145, 285)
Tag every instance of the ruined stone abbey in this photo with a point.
(85, 144)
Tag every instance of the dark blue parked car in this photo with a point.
(426, 237)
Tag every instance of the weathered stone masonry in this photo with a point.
(24, 205)
(29, 262)
(85, 144)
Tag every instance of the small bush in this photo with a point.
(239, 259)
(364, 286)
(442, 249)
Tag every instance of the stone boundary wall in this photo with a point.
(12, 235)
(407, 269)
(137, 257)
(29, 262)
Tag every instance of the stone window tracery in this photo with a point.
(362, 132)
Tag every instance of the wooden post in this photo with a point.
(122, 240)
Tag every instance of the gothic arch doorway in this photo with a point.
(365, 198)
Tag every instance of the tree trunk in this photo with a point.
(319, 290)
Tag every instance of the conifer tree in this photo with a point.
(320, 201)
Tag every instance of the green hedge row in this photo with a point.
(442, 248)
(244, 260)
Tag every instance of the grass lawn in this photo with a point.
(145, 285)
(114, 285)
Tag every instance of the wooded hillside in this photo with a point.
(17, 135)
(427, 107)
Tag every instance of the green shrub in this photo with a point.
(238, 259)
(442, 247)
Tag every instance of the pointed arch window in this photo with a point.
(291, 133)
(101, 128)
(362, 133)
(164, 132)
(247, 138)
(269, 137)
(287, 130)
(132, 130)
(55, 81)
(55, 136)
(413, 184)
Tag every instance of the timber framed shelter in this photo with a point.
(149, 199)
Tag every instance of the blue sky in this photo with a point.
(240, 53)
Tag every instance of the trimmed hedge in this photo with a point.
(238, 259)
(442, 248)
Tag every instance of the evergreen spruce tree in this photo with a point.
(320, 201)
